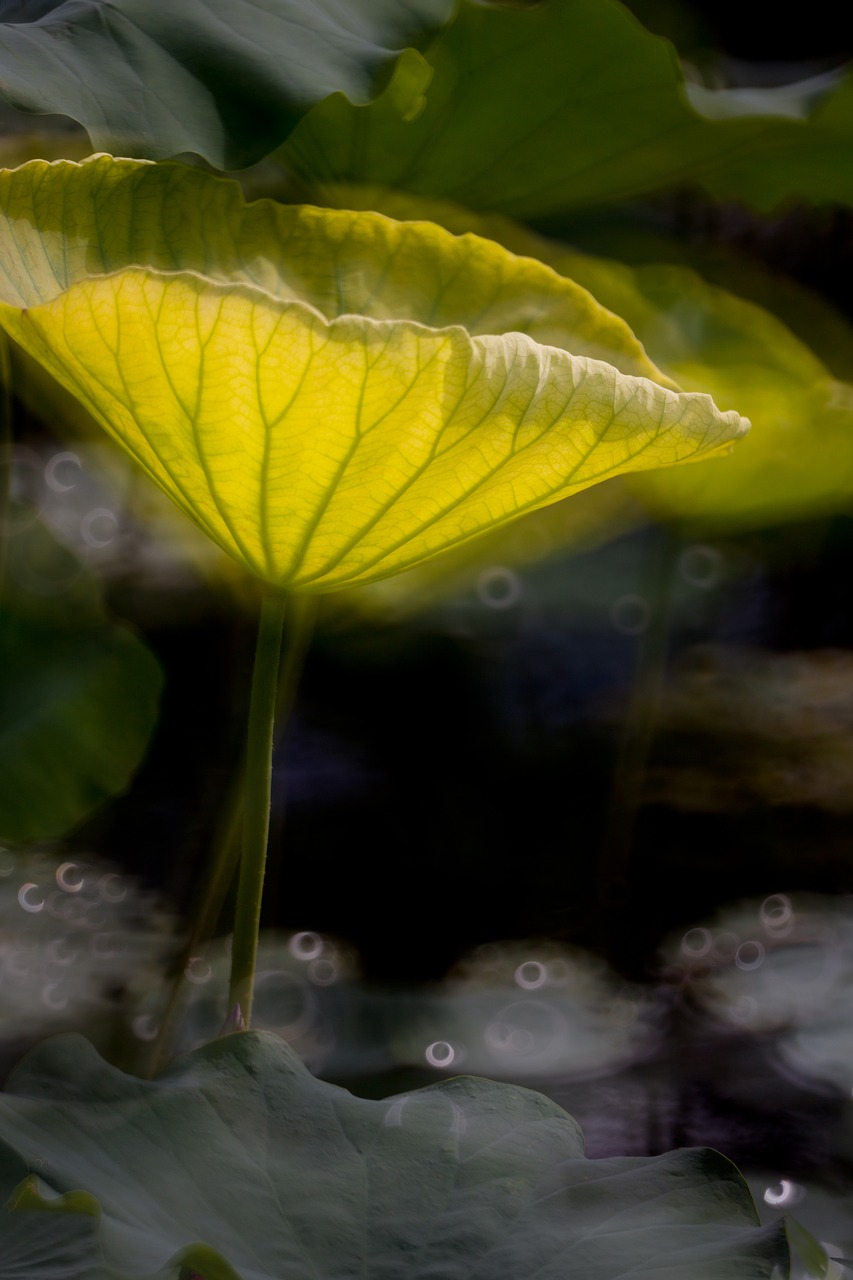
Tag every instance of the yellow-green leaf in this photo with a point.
(331, 396)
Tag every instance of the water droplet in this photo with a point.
(68, 879)
(145, 1027)
(99, 527)
(697, 943)
(777, 914)
(749, 955)
(17, 964)
(112, 888)
(700, 566)
(394, 1114)
(558, 972)
(51, 998)
(531, 974)
(499, 587)
(322, 971)
(24, 481)
(7, 862)
(59, 951)
(529, 1029)
(306, 945)
(630, 614)
(26, 899)
(440, 1054)
(198, 970)
(744, 1010)
(61, 472)
(786, 1193)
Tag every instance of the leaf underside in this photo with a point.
(271, 370)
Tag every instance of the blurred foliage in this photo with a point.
(611, 118)
(78, 691)
(742, 728)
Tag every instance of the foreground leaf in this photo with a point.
(225, 79)
(610, 118)
(331, 396)
(79, 692)
(237, 1163)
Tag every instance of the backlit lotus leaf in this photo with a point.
(332, 396)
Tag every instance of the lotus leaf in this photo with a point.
(611, 118)
(237, 1163)
(331, 396)
(226, 79)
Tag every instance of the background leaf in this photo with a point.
(611, 118)
(224, 79)
(78, 692)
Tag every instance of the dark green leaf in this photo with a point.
(78, 692)
(226, 79)
(610, 117)
(237, 1163)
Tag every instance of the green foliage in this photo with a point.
(237, 1163)
(611, 118)
(78, 691)
(334, 397)
(224, 79)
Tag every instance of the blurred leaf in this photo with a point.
(78, 692)
(610, 118)
(803, 160)
(332, 397)
(738, 730)
(798, 459)
(224, 79)
(237, 1163)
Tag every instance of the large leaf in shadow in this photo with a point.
(78, 691)
(225, 79)
(610, 118)
(331, 396)
(237, 1163)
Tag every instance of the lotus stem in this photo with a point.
(256, 810)
(226, 850)
(5, 451)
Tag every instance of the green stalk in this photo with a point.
(226, 851)
(256, 811)
(5, 451)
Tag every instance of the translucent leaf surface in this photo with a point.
(610, 118)
(237, 1163)
(78, 691)
(332, 396)
(226, 79)
(798, 461)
